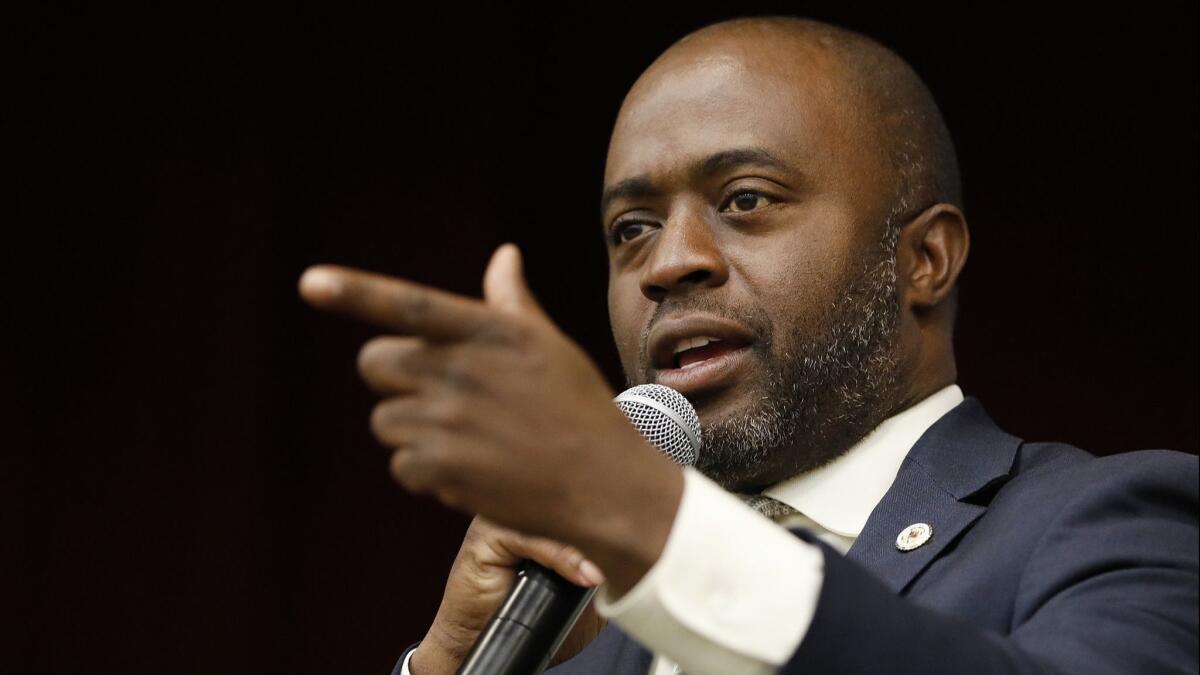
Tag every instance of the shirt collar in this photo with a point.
(841, 495)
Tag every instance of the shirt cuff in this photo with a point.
(732, 592)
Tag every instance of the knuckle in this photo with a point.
(515, 542)
(570, 556)
(535, 361)
(460, 374)
(496, 329)
(447, 411)
(441, 460)
(547, 555)
(520, 332)
(414, 306)
(562, 556)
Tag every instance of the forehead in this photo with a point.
(794, 104)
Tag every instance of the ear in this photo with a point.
(930, 255)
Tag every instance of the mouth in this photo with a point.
(696, 354)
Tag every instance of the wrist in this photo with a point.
(433, 657)
(427, 661)
(634, 535)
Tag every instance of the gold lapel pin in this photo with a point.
(914, 536)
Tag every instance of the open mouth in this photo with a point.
(693, 351)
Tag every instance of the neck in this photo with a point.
(932, 370)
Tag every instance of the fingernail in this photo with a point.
(591, 572)
(320, 284)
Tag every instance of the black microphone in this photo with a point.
(542, 607)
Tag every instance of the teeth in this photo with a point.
(692, 343)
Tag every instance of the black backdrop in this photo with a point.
(188, 480)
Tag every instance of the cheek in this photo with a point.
(792, 272)
(794, 280)
(626, 309)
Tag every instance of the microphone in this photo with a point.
(542, 607)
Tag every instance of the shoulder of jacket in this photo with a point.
(1048, 477)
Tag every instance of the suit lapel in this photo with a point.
(960, 456)
(912, 499)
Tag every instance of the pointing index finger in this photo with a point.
(395, 304)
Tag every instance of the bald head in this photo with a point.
(878, 90)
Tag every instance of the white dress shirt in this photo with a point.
(733, 593)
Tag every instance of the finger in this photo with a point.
(504, 286)
(395, 421)
(411, 473)
(398, 305)
(568, 561)
(430, 419)
(491, 545)
(427, 465)
(395, 365)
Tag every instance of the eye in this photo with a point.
(627, 231)
(746, 201)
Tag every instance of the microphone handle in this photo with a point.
(530, 625)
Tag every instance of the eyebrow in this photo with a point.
(729, 159)
(641, 187)
(638, 187)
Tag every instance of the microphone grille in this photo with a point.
(665, 418)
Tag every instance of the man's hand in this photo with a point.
(480, 578)
(492, 410)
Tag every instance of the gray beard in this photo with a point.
(824, 394)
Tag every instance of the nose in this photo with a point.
(685, 257)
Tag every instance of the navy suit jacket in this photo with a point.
(1044, 559)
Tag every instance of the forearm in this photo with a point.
(627, 532)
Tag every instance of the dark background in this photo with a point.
(188, 480)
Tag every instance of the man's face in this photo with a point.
(744, 209)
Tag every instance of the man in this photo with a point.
(785, 231)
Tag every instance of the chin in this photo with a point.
(720, 406)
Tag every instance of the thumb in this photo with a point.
(504, 283)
